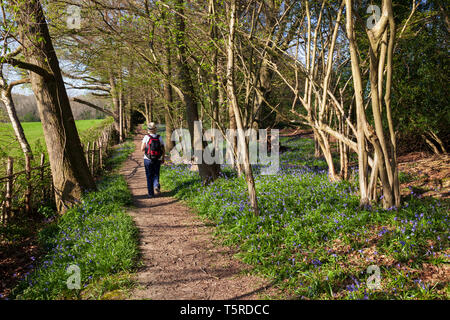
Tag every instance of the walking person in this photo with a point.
(153, 148)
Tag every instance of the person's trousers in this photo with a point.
(152, 172)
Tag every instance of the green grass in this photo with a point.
(34, 134)
(97, 235)
(312, 238)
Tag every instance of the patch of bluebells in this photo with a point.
(97, 236)
(301, 213)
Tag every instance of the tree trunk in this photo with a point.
(431, 144)
(168, 94)
(234, 103)
(12, 114)
(385, 163)
(115, 100)
(438, 140)
(317, 150)
(208, 173)
(150, 110)
(147, 111)
(234, 147)
(360, 115)
(214, 99)
(69, 167)
(121, 119)
(127, 112)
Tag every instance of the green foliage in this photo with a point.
(121, 153)
(30, 117)
(91, 130)
(421, 78)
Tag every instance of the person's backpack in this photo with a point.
(153, 148)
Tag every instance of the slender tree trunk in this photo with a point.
(431, 144)
(115, 100)
(317, 150)
(121, 120)
(222, 111)
(215, 70)
(168, 119)
(234, 103)
(147, 111)
(233, 142)
(7, 100)
(150, 110)
(69, 167)
(128, 112)
(438, 140)
(168, 94)
(385, 163)
(167, 88)
(360, 115)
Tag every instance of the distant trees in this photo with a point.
(26, 107)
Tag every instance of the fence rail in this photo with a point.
(26, 189)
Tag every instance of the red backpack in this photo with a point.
(153, 148)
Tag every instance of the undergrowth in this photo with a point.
(96, 237)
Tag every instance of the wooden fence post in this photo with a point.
(28, 181)
(87, 152)
(9, 186)
(52, 190)
(3, 214)
(44, 190)
(100, 154)
(93, 158)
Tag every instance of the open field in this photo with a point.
(34, 134)
(9, 146)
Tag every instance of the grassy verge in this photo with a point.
(313, 239)
(97, 237)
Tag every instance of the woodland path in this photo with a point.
(181, 259)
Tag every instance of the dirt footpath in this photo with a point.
(181, 260)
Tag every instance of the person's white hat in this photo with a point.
(151, 126)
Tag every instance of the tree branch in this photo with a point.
(89, 104)
(30, 67)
